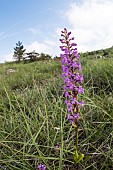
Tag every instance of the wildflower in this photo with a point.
(73, 79)
(57, 147)
(41, 167)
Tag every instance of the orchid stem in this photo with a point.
(76, 144)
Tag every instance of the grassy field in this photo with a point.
(33, 117)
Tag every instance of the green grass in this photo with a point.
(33, 117)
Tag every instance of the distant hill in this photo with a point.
(103, 53)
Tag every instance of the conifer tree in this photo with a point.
(19, 51)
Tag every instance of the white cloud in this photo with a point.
(91, 24)
(58, 31)
(40, 47)
(49, 42)
(7, 57)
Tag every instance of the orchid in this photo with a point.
(73, 80)
(71, 68)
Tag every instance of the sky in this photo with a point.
(38, 24)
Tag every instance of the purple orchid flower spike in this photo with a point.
(73, 79)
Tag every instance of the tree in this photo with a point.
(44, 56)
(32, 56)
(19, 51)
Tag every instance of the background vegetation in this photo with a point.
(33, 116)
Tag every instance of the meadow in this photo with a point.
(33, 117)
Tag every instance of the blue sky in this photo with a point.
(37, 24)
